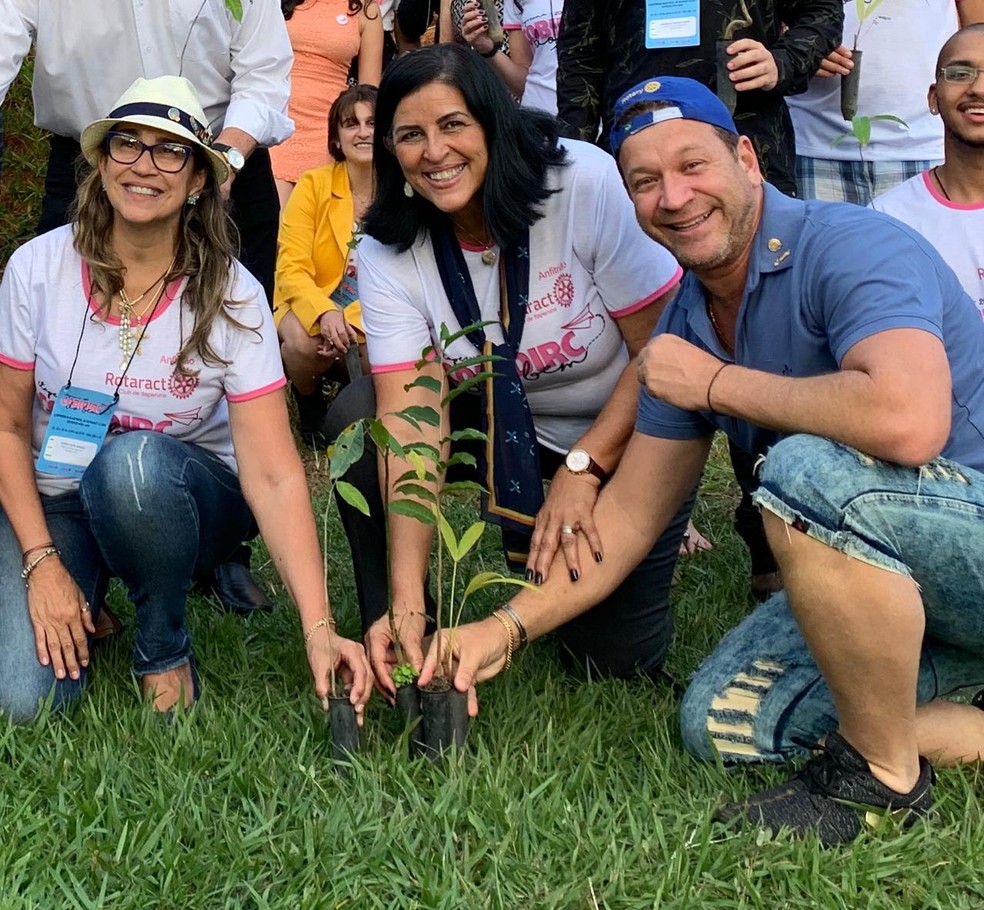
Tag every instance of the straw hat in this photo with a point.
(167, 103)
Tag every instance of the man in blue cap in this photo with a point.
(838, 345)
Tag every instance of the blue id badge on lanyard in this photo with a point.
(672, 23)
(76, 431)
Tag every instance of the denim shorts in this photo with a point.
(760, 691)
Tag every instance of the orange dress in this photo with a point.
(325, 37)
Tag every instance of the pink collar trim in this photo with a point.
(170, 293)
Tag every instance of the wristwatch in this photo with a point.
(580, 462)
(496, 47)
(234, 158)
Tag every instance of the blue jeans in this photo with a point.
(151, 510)
(760, 689)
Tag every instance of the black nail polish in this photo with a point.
(538, 578)
(529, 575)
(598, 557)
(574, 575)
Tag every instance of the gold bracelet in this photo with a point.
(320, 624)
(507, 625)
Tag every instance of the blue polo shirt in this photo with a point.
(821, 277)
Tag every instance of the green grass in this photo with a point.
(22, 182)
(570, 794)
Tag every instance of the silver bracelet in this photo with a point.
(31, 566)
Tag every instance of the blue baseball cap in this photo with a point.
(687, 99)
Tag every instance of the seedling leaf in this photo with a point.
(422, 413)
(416, 489)
(461, 458)
(467, 433)
(464, 486)
(347, 450)
(447, 535)
(861, 127)
(424, 382)
(484, 579)
(352, 496)
(410, 508)
(471, 537)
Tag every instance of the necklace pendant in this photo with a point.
(489, 257)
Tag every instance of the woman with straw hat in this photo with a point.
(142, 417)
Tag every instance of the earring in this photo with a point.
(193, 199)
(933, 110)
(407, 189)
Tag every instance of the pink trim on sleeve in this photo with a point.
(258, 393)
(16, 364)
(394, 367)
(646, 301)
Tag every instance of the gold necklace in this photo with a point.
(489, 256)
(129, 317)
(717, 328)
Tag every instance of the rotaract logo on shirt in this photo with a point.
(561, 293)
(178, 385)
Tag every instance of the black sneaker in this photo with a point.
(834, 796)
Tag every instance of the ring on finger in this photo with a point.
(566, 529)
(85, 607)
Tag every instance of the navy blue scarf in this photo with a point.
(511, 463)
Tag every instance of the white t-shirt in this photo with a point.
(957, 231)
(900, 44)
(539, 21)
(590, 264)
(45, 308)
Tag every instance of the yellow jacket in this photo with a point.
(312, 247)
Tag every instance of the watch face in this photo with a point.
(578, 460)
(235, 159)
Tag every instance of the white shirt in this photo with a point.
(590, 264)
(88, 52)
(899, 43)
(956, 230)
(45, 310)
(539, 21)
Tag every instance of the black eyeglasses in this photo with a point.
(959, 74)
(169, 157)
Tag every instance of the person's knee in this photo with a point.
(797, 468)
(356, 401)
(23, 697)
(723, 714)
(128, 474)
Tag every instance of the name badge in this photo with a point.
(76, 431)
(347, 291)
(672, 23)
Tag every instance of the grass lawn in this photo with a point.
(569, 795)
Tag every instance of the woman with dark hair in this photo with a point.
(142, 418)
(316, 298)
(326, 36)
(482, 214)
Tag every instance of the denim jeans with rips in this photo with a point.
(151, 510)
(760, 695)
